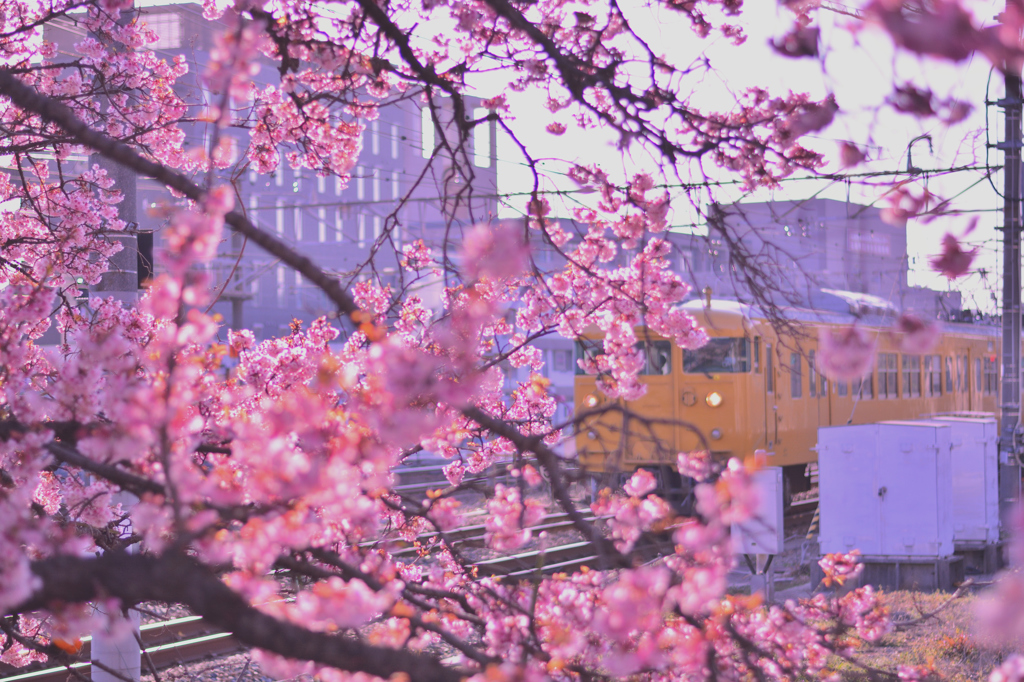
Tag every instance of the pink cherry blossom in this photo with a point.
(915, 336)
(846, 353)
(954, 261)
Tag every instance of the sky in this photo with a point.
(860, 68)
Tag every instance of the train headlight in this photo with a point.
(714, 399)
(590, 400)
(716, 434)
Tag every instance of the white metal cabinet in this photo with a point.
(763, 534)
(975, 470)
(886, 489)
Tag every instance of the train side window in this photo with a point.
(977, 374)
(888, 371)
(822, 385)
(757, 354)
(769, 369)
(841, 388)
(863, 389)
(933, 374)
(911, 376)
(991, 377)
(949, 375)
(796, 384)
(959, 375)
(812, 379)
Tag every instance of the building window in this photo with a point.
(888, 372)
(426, 132)
(362, 229)
(337, 185)
(812, 381)
(321, 184)
(376, 227)
(360, 183)
(280, 286)
(562, 360)
(167, 27)
(796, 384)
(375, 136)
(376, 184)
(911, 376)
(394, 141)
(279, 174)
(297, 224)
(482, 140)
(395, 189)
(321, 224)
(279, 218)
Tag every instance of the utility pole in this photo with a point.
(1009, 470)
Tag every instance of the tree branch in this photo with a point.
(26, 97)
(548, 459)
(175, 578)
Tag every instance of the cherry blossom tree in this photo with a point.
(284, 461)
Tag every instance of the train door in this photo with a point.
(771, 408)
(652, 444)
(817, 392)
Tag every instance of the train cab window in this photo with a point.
(657, 357)
(769, 369)
(933, 374)
(812, 380)
(796, 383)
(911, 376)
(586, 350)
(949, 375)
(888, 372)
(718, 356)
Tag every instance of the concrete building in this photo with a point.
(402, 188)
(793, 248)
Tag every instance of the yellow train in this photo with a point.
(751, 388)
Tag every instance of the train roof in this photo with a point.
(825, 306)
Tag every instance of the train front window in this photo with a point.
(657, 357)
(718, 356)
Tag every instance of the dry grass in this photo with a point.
(944, 640)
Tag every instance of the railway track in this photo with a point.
(187, 640)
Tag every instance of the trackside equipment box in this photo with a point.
(763, 534)
(886, 489)
(975, 469)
